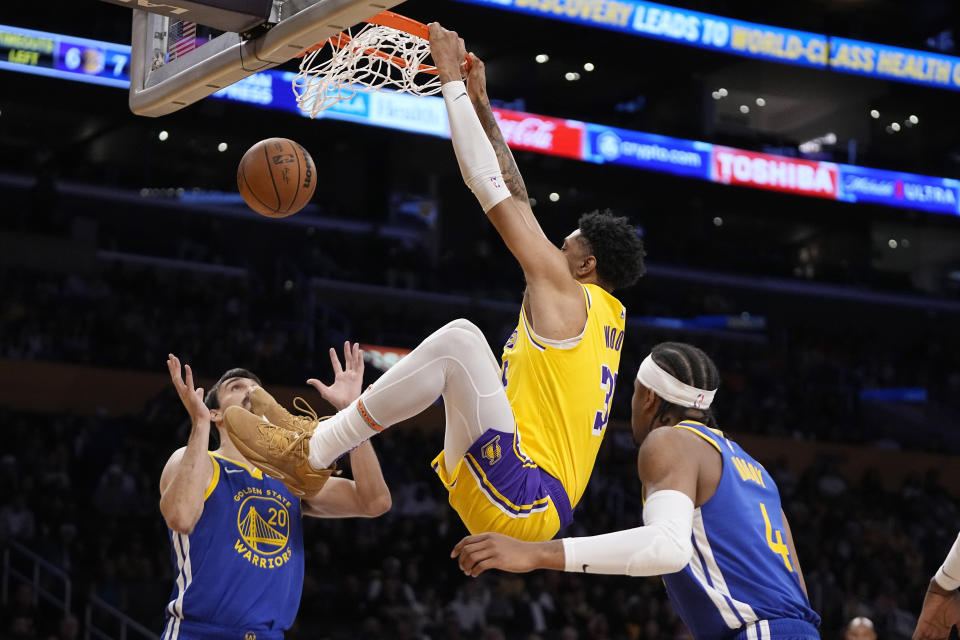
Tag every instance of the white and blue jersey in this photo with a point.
(240, 573)
(742, 581)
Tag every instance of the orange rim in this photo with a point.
(341, 40)
(401, 23)
(384, 19)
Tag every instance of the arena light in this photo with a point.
(542, 57)
(554, 196)
(761, 102)
(914, 119)
(163, 135)
(874, 114)
(744, 109)
(585, 141)
(222, 147)
(588, 66)
(771, 43)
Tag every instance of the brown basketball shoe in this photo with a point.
(264, 404)
(281, 451)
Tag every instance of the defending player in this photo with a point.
(521, 439)
(236, 535)
(713, 526)
(941, 605)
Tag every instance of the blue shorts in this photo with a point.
(494, 489)
(779, 629)
(189, 630)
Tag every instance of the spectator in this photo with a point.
(860, 628)
(17, 520)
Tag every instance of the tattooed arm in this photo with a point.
(477, 90)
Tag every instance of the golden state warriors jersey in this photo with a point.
(742, 575)
(240, 572)
(561, 397)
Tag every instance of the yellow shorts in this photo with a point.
(494, 489)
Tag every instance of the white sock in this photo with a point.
(454, 362)
(337, 435)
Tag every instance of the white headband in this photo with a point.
(670, 389)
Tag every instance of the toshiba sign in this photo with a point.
(733, 166)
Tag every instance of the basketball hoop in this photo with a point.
(389, 52)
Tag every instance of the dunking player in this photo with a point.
(713, 526)
(521, 439)
(941, 605)
(236, 535)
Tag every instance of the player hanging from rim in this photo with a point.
(236, 537)
(521, 440)
(713, 524)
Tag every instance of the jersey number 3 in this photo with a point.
(608, 382)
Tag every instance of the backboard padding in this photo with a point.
(227, 58)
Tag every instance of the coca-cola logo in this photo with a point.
(531, 131)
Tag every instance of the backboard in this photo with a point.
(171, 67)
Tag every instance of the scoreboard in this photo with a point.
(61, 56)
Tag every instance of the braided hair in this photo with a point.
(689, 365)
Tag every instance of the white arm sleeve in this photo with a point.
(948, 576)
(662, 546)
(475, 155)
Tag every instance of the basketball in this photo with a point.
(276, 177)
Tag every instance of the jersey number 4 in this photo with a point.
(608, 382)
(776, 544)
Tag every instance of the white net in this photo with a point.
(375, 58)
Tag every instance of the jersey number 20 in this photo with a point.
(608, 382)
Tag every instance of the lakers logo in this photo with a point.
(491, 451)
(249, 635)
(512, 341)
(264, 525)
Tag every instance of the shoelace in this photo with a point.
(282, 440)
(277, 437)
(305, 408)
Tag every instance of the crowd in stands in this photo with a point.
(82, 492)
(789, 379)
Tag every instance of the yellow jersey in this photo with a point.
(561, 396)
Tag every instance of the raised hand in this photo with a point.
(347, 382)
(448, 52)
(192, 398)
(476, 79)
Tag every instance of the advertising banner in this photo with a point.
(61, 56)
(777, 173)
(897, 189)
(748, 39)
(609, 145)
